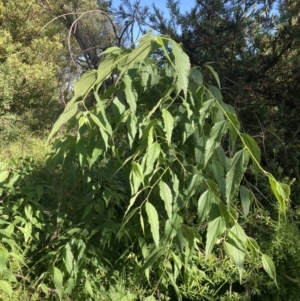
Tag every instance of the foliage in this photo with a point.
(29, 63)
(159, 141)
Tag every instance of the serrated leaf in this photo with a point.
(168, 124)
(6, 287)
(205, 109)
(214, 139)
(152, 155)
(269, 266)
(136, 177)
(153, 221)
(214, 231)
(69, 112)
(246, 197)
(235, 246)
(102, 128)
(57, 278)
(183, 66)
(4, 175)
(68, 259)
(235, 173)
(145, 45)
(166, 196)
(204, 204)
(131, 96)
(253, 150)
(215, 74)
(131, 124)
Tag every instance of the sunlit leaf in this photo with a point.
(269, 266)
(166, 196)
(253, 150)
(69, 112)
(204, 204)
(3, 175)
(88, 287)
(152, 155)
(235, 247)
(214, 139)
(153, 221)
(168, 124)
(68, 258)
(6, 287)
(3, 259)
(136, 177)
(57, 278)
(215, 229)
(235, 173)
(183, 66)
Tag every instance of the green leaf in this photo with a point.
(4, 175)
(153, 221)
(3, 259)
(131, 124)
(214, 231)
(131, 96)
(183, 66)
(152, 155)
(282, 193)
(246, 197)
(216, 93)
(69, 112)
(235, 173)
(269, 266)
(166, 196)
(235, 246)
(205, 109)
(88, 287)
(214, 139)
(146, 44)
(44, 288)
(253, 150)
(68, 259)
(234, 127)
(196, 76)
(6, 287)
(57, 278)
(85, 83)
(215, 74)
(169, 124)
(193, 185)
(136, 177)
(204, 204)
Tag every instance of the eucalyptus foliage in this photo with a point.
(156, 167)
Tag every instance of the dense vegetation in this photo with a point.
(159, 169)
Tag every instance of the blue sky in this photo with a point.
(185, 5)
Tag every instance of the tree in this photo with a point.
(30, 58)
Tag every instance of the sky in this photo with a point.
(185, 5)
